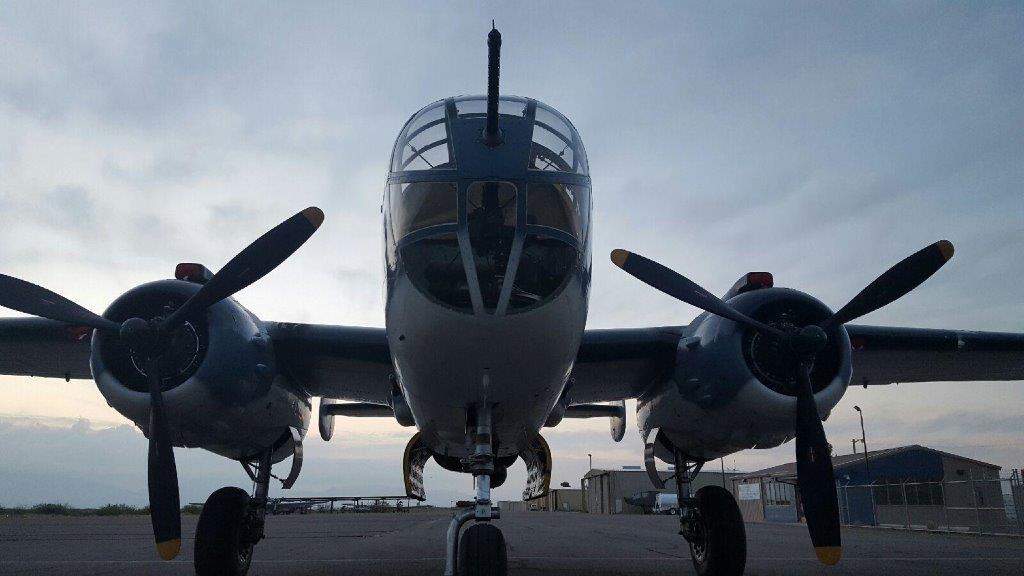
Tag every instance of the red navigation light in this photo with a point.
(192, 272)
(751, 281)
(757, 280)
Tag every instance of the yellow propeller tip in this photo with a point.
(314, 215)
(619, 257)
(169, 549)
(829, 555)
(945, 248)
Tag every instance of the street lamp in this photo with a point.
(863, 442)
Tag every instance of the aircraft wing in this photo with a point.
(343, 362)
(38, 347)
(887, 355)
(621, 363)
(340, 362)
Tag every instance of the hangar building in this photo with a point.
(620, 491)
(911, 486)
(557, 499)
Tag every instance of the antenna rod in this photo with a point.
(492, 135)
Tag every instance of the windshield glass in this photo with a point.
(424, 143)
(468, 106)
(560, 206)
(544, 267)
(556, 145)
(435, 268)
(422, 204)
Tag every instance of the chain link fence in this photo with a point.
(992, 506)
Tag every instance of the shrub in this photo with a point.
(52, 509)
(192, 509)
(119, 510)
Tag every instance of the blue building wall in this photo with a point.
(916, 465)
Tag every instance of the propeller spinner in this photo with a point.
(815, 475)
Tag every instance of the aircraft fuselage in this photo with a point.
(488, 268)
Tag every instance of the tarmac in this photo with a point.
(539, 543)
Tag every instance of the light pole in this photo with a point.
(864, 443)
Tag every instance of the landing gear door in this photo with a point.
(538, 468)
(416, 457)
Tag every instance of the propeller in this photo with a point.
(815, 475)
(150, 339)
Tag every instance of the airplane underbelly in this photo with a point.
(448, 360)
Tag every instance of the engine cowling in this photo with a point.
(730, 391)
(221, 388)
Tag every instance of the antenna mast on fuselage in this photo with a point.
(492, 134)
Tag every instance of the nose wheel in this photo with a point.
(482, 551)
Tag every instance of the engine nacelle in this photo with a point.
(731, 390)
(221, 389)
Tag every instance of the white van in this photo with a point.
(665, 504)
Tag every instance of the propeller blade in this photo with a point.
(29, 298)
(815, 477)
(254, 262)
(681, 288)
(164, 504)
(894, 283)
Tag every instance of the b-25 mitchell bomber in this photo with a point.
(487, 232)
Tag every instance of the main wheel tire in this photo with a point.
(482, 551)
(220, 548)
(719, 545)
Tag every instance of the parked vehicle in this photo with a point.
(665, 504)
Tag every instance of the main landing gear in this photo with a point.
(231, 524)
(481, 550)
(711, 523)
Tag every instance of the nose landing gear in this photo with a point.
(481, 550)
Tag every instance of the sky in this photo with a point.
(821, 142)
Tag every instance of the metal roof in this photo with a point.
(842, 461)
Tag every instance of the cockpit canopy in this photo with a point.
(488, 229)
(425, 142)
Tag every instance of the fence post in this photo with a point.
(1017, 495)
(977, 510)
(945, 505)
(906, 506)
(874, 513)
(846, 493)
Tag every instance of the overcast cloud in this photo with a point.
(821, 143)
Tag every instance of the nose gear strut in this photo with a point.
(480, 509)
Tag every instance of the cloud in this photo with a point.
(821, 144)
